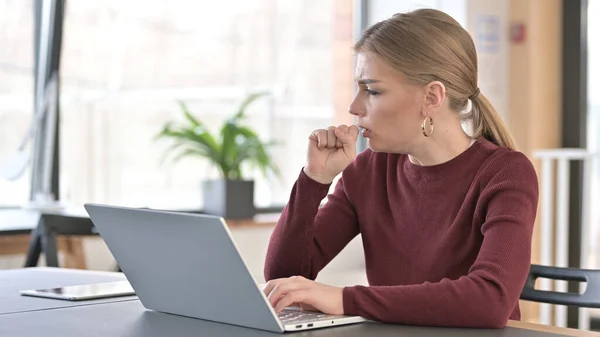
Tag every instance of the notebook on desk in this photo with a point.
(188, 264)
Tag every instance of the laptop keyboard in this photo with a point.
(290, 316)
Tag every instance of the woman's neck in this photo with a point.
(440, 148)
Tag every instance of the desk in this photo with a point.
(129, 318)
(33, 232)
(16, 221)
(11, 281)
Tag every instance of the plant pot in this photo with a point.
(230, 199)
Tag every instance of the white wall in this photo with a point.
(382, 9)
(593, 132)
(488, 23)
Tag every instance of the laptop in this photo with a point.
(188, 264)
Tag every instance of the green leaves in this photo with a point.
(234, 145)
(242, 108)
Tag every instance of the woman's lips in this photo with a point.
(366, 133)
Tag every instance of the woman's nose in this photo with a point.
(354, 108)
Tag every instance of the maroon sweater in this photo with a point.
(444, 245)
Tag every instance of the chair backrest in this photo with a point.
(589, 299)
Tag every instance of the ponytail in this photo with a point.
(487, 123)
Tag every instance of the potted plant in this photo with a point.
(231, 196)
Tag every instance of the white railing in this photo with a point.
(555, 223)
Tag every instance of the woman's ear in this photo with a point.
(435, 94)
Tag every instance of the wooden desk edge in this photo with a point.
(259, 221)
(552, 329)
(72, 246)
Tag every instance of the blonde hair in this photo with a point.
(428, 45)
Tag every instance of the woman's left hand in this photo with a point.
(308, 294)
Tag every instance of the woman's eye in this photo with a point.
(372, 92)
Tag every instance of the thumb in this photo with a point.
(348, 138)
(354, 131)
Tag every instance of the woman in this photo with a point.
(446, 218)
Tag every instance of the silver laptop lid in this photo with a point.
(184, 264)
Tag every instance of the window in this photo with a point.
(16, 91)
(125, 64)
(593, 124)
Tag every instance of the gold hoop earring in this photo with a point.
(425, 133)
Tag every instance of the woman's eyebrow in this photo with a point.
(367, 81)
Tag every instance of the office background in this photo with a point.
(125, 64)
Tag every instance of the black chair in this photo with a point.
(589, 299)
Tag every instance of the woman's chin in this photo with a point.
(374, 146)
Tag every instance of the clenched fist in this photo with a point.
(330, 151)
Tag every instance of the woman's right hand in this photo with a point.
(330, 151)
